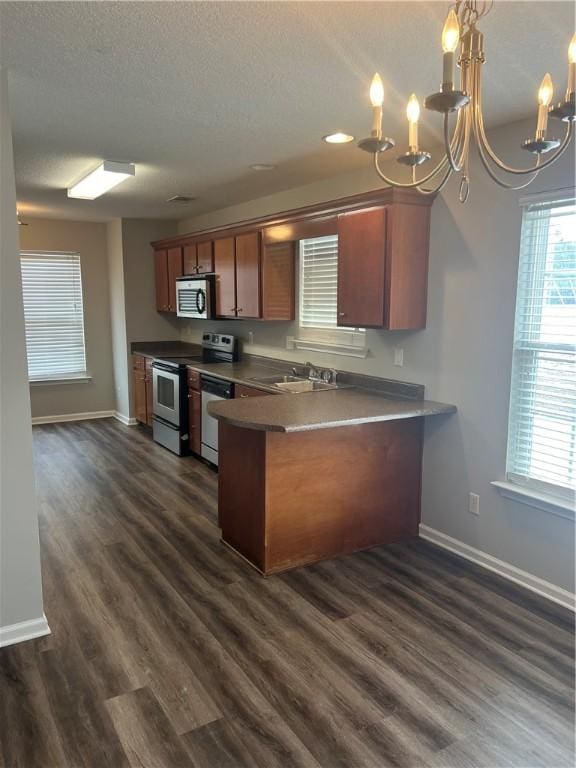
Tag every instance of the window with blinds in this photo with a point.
(54, 315)
(318, 282)
(542, 427)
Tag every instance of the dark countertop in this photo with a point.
(364, 400)
(321, 410)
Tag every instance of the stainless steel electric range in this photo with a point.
(170, 393)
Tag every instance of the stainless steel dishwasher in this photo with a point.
(213, 389)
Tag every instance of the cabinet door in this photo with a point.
(161, 276)
(140, 396)
(225, 277)
(243, 390)
(278, 273)
(195, 420)
(189, 259)
(248, 275)
(174, 271)
(149, 392)
(362, 268)
(204, 257)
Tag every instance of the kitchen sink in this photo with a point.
(295, 384)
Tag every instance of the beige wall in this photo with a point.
(463, 356)
(20, 579)
(132, 298)
(89, 240)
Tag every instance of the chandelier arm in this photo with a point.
(409, 185)
(439, 188)
(483, 142)
(457, 142)
(504, 184)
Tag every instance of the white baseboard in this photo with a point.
(72, 417)
(125, 419)
(508, 571)
(23, 630)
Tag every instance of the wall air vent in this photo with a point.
(182, 199)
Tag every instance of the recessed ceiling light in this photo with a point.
(101, 180)
(263, 167)
(338, 138)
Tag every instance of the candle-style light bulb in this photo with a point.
(545, 93)
(413, 115)
(571, 68)
(450, 40)
(377, 99)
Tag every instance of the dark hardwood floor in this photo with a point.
(169, 651)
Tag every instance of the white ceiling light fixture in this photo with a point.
(338, 138)
(263, 167)
(101, 180)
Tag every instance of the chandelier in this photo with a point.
(460, 29)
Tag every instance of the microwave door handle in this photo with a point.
(200, 301)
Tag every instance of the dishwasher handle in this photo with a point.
(219, 387)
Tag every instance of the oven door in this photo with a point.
(166, 389)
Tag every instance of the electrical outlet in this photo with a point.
(250, 337)
(290, 342)
(473, 503)
(398, 356)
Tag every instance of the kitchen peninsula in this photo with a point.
(306, 477)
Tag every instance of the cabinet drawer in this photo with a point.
(138, 363)
(243, 390)
(193, 378)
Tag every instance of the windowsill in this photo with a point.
(544, 501)
(84, 378)
(328, 347)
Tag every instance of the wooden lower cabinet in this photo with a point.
(195, 420)
(357, 487)
(143, 389)
(194, 411)
(149, 392)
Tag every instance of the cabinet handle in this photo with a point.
(244, 395)
(232, 309)
(341, 314)
(239, 309)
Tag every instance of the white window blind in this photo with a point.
(542, 427)
(318, 282)
(54, 315)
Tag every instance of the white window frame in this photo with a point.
(520, 485)
(332, 340)
(65, 373)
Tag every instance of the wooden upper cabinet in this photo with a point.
(278, 279)
(224, 266)
(198, 258)
(361, 268)
(189, 265)
(383, 267)
(174, 270)
(248, 275)
(205, 257)
(161, 275)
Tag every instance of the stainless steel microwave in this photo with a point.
(196, 297)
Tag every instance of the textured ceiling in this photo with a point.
(195, 92)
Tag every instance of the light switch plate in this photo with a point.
(474, 504)
(398, 356)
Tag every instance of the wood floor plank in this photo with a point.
(168, 650)
(146, 734)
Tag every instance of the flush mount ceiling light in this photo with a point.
(466, 100)
(338, 138)
(102, 179)
(263, 167)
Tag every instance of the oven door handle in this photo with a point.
(167, 368)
